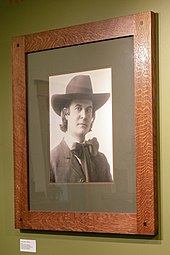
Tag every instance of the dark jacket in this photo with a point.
(65, 167)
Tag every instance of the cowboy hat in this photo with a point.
(79, 87)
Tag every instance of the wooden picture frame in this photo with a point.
(144, 221)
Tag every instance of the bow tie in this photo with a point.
(91, 145)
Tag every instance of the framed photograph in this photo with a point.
(84, 113)
(100, 81)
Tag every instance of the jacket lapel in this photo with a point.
(75, 171)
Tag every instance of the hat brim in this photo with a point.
(58, 101)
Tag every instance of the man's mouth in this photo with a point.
(82, 124)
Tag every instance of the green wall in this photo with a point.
(19, 17)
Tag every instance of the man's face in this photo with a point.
(80, 118)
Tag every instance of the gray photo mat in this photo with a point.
(116, 197)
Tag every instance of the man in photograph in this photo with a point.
(75, 159)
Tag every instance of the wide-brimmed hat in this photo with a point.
(79, 87)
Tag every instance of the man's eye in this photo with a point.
(78, 108)
(89, 110)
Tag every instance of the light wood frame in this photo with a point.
(145, 220)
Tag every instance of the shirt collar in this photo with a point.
(69, 139)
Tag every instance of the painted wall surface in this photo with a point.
(19, 17)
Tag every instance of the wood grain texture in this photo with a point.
(141, 27)
(82, 222)
(145, 115)
(90, 32)
(19, 129)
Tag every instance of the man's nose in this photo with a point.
(83, 113)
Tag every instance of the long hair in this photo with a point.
(64, 123)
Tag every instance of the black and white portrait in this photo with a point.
(81, 127)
